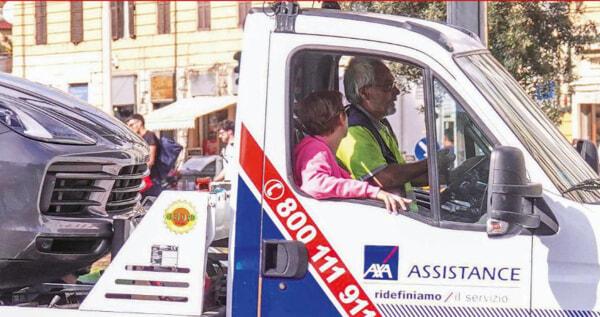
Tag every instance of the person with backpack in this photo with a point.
(137, 124)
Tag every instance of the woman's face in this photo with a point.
(342, 127)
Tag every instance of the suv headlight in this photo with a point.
(38, 124)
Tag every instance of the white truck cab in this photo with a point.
(511, 232)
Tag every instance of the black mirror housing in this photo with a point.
(508, 187)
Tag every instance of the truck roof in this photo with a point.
(452, 39)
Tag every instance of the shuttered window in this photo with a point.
(131, 20)
(203, 15)
(76, 22)
(41, 23)
(117, 20)
(243, 9)
(163, 15)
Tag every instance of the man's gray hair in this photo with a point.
(360, 73)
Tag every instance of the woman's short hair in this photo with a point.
(319, 112)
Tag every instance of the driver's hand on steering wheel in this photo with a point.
(445, 157)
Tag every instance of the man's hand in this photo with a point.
(444, 158)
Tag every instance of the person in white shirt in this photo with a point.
(226, 135)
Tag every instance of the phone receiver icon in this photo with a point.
(274, 189)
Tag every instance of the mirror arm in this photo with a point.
(527, 221)
(545, 219)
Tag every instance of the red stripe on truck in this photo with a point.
(300, 226)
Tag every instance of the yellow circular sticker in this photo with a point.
(180, 217)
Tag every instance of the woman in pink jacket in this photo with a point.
(316, 171)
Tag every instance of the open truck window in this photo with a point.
(313, 71)
(462, 184)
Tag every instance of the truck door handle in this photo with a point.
(284, 259)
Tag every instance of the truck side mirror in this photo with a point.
(589, 152)
(507, 190)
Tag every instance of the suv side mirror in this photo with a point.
(508, 188)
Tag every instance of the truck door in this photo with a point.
(363, 261)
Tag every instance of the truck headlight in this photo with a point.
(41, 125)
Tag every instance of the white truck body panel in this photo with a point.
(566, 270)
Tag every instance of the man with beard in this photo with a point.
(370, 150)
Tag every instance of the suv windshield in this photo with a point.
(544, 142)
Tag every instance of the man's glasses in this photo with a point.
(386, 87)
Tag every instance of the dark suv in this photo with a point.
(66, 169)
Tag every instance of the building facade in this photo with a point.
(160, 51)
(583, 121)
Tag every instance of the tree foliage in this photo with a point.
(535, 41)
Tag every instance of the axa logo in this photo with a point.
(381, 262)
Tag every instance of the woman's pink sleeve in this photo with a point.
(318, 181)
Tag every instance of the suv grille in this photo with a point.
(124, 194)
(77, 189)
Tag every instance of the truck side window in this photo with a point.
(397, 88)
(463, 198)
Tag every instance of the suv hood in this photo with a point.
(84, 117)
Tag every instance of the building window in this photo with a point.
(123, 112)
(76, 22)
(122, 17)
(131, 18)
(203, 15)
(41, 23)
(243, 9)
(124, 96)
(163, 15)
(203, 84)
(117, 19)
(79, 90)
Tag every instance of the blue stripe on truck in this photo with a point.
(247, 253)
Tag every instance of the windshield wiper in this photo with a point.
(587, 185)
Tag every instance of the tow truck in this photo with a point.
(513, 232)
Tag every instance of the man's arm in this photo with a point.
(396, 175)
(152, 157)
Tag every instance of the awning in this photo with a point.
(182, 113)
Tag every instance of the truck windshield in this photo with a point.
(541, 138)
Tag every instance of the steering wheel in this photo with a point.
(466, 186)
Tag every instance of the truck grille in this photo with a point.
(77, 189)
